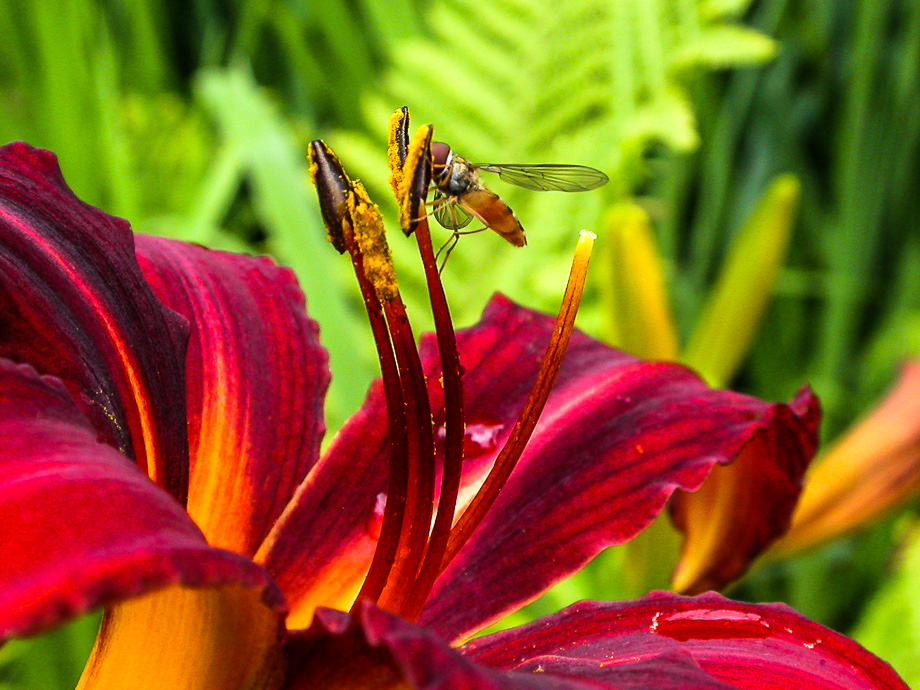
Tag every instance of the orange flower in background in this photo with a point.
(868, 472)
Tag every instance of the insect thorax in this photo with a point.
(462, 178)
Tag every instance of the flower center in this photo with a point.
(411, 551)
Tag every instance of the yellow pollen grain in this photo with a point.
(372, 241)
(396, 165)
(313, 168)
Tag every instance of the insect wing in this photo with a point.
(449, 214)
(549, 177)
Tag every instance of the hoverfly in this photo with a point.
(460, 196)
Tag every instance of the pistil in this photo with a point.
(536, 401)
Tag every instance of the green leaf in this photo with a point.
(723, 9)
(891, 625)
(52, 661)
(725, 46)
(735, 307)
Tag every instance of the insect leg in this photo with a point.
(451, 242)
(449, 246)
(471, 232)
(434, 206)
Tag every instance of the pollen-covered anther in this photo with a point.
(372, 242)
(397, 147)
(416, 177)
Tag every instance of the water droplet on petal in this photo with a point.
(700, 624)
(480, 438)
(375, 519)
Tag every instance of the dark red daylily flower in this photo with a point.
(160, 423)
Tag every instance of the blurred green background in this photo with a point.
(191, 119)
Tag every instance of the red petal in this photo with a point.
(745, 507)
(322, 546)
(73, 303)
(616, 439)
(870, 470)
(376, 649)
(750, 646)
(82, 526)
(256, 376)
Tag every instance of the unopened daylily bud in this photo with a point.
(643, 323)
(738, 302)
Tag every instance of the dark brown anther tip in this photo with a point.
(332, 188)
(402, 136)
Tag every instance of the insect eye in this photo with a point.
(439, 154)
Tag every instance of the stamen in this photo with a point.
(453, 426)
(523, 429)
(372, 243)
(398, 479)
(416, 178)
(334, 190)
(420, 504)
(420, 499)
(393, 569)
(453, 392)
(416, 522)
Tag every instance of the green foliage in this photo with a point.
(54, 660)
(691, 106)
(744, 286)
(833, 109)
(891, 627)
(595, 82)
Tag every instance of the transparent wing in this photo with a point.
(449, 214)
(549, 177)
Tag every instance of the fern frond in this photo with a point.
(524, 74)
(723, 9)
(391, 20)
(595, 82)
(725, 46)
